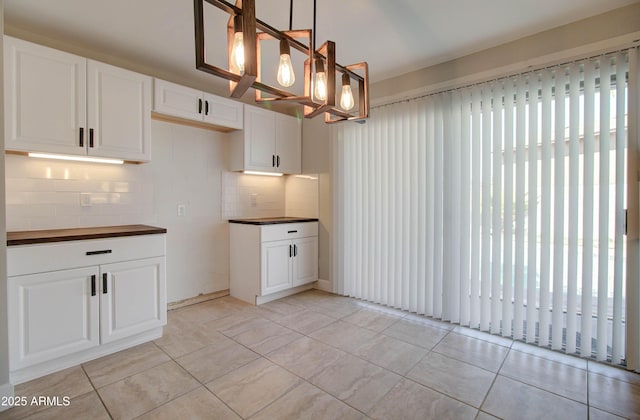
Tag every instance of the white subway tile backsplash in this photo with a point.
(44, 194)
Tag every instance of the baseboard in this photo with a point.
(324, 285)
(284, 293)
(197, 299)
(6, 393)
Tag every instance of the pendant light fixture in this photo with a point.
(244, 35)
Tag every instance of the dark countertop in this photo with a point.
(272, 220)
(28, 237)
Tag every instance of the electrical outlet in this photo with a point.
(182, 210)
(85, 200)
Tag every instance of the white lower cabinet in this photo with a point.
(271, 261)
(64, 316)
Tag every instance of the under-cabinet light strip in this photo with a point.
(262, 173)
(76, 158)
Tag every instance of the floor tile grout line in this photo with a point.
(96, 391)
(495, 378)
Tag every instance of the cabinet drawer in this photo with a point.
(283, 231)
(29, 259)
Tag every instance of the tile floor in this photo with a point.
(321, 356)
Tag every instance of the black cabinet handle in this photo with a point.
(104, 283)
(295, 250)
(93, 285)
(81, 136)
(273, 160)
(278, 164)
(290, 251)
(206, 107)
(292, 231)
(91, 137)
(102, 251)
(199, 106)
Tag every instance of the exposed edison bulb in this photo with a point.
(346, 98)
(286, 77)
(237, 52)
(321, 86)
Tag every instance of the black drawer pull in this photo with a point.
(295, 250)
(273, 160)
(199, 106)
(290, 251)
(278, 161)
(104, 283)
(292, 231)
(93, 285)
(206, 107)
(91, 137)
(81, 136)
(102, 251)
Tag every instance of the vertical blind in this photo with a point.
(499, 206)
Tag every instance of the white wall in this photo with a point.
(187, 166)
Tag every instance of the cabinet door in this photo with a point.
(179, 101)
(276, 266)
(288, 144)
(260, 139)
(132, 298)
(119, 107)
(51, 315)
(223, 112)
(305, 261)
(45, 98)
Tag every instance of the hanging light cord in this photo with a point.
(291, 15)
(314, 23)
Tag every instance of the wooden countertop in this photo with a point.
(28, 237)
(272, 220)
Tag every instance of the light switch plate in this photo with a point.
(85, 200)
(182, 210)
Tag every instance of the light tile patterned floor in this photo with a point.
(321, 356)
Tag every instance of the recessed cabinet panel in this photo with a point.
(133, 302)
(288, 144)
(260, 136)
(223, 112)
(51, 315)
(305, 263)
(45, 98)
(276, 263)
(119, 112)
(180, 101)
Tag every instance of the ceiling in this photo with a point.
(394, 37)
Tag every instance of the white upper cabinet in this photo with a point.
(45, 98)
(288, 144)
(270, 142)
(119, 112)
(183, 102)
(61, 103)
